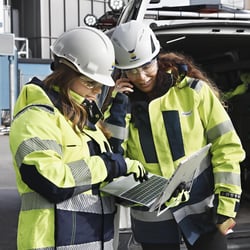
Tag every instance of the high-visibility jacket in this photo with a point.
(162, 132)
(58, 174)
(240, 89)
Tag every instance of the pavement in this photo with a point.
(10, 204)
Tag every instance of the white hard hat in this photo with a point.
(135, 44)
(89, 50)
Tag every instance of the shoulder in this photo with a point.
(197, 85)
(32, 95)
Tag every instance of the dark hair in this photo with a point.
(174, 60)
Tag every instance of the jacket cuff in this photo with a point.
(228, 204)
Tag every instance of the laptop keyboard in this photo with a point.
(146, 191)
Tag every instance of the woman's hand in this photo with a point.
(123, 85)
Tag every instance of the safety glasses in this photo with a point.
(89, 83)
(147, 68)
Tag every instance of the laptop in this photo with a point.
(157, 190)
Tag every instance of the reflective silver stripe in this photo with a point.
(229, 178)
(35, 144)
(219, 130)
(117, 131)
(88, 246)
(30, 201)
(88, 203)
(196, 208)
(44, 248)
(151, 216)
(80, 172)
(198, 85)
(44, 107)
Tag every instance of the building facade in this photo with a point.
(42, 21)
(37, 23)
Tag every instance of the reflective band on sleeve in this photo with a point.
(80, 172)
(117, 131)
(228, 177)
(34, 200)
(35, 144)
(219, 130)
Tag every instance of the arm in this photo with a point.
(227, 153)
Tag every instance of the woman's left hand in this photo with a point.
(123, 85)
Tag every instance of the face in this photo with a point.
(144, 77)
(87, 87)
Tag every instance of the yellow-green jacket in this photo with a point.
(58, 174)
(162, 132)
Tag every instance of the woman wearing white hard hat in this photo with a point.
(171, 110)
(60, 152)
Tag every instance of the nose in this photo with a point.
(141, 75)
(97, 90)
